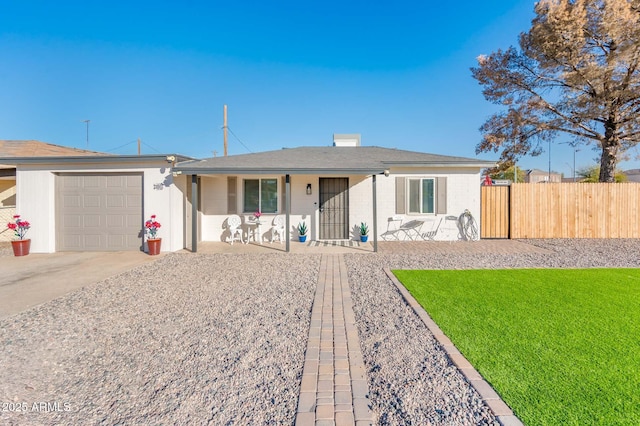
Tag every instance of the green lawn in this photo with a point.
(561, 346)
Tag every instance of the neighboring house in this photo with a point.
(633, 175)
(21, 148)
(100, 203)
(537, 176)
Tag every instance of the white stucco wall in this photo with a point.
(36, 200)
(463, 192)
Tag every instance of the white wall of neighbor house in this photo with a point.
(463, 192)
(36, 200)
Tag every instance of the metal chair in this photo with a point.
(234, 225)
(279, 223)
(430, 235)
(393, 227)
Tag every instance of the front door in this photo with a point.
(334, 209)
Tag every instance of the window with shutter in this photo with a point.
(424, 195)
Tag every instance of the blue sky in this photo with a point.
(291, 73)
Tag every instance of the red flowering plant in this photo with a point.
(152, 226)
(19, 227)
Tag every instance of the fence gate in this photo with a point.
(494, 217)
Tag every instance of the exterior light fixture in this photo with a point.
(308, 189)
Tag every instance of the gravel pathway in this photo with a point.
(220, 339)
(411, 381)
(189, 339)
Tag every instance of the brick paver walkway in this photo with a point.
(334, 389)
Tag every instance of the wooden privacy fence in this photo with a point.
(561, 210)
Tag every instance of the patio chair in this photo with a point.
(412, 229)
(279, 223)
(234, 225)
(430, 235)
(393, 227)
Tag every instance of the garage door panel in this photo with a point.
(131, 221)
(92, 182)
(92, 221)
(99, 212)
(115, 181)
(134, 202)
(71, 201)
(72, 221)
(115, 201)
(115, 222)
(72, 242)
(89, 201)
(92, 242)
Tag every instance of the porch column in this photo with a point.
(194, 213)
(375, 214)
(287, 184)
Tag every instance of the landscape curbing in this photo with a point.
(489, 396)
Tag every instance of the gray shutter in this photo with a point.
(441, 195)
(232, 195)
(283, 194)
(401, 195)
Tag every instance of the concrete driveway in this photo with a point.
(31, 280)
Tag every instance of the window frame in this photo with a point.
(260, 181)
(434, 195)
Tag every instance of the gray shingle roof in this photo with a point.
(312, 160)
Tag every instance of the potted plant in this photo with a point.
(364, 232)
(302, 232)
(153, 242)
(21, 246)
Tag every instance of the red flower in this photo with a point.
(152, 225)
(20, 227)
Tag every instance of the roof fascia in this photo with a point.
(271, 171)
(94, 159)
(478, 164)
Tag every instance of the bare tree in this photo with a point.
(576, 72)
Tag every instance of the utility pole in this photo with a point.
(138, 146)
(87, 123)
(224, 126)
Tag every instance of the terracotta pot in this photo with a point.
(154, 246)
(21, 247)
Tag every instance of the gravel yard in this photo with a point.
(189, 339)
(220, 339)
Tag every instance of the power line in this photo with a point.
(238, 139)
(149, 146)
(121, 146)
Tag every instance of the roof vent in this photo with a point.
(352, 139)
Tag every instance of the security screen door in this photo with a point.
(334, 209)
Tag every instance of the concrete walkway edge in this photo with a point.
(334, 388)
(489, 396)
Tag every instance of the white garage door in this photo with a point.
(99, 212)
